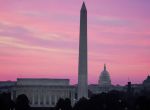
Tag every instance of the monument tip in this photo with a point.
(83, 6)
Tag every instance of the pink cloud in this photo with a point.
(40, 39)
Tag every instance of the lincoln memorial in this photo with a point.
(43, 92)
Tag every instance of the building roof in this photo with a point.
(42, 82)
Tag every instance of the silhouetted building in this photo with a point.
(5, 86)
(46, 92)
(147, 81)
(104, 79)
(104, 84)
(129, 88)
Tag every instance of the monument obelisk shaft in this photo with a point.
(82, 67)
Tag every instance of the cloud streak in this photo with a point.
(40, 39)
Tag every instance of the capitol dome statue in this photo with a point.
(104, 79)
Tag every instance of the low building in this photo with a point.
(5, 86)
(46, 92)
(43, 92)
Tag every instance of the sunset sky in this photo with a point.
(40, 39)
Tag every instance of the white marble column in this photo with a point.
(55, 98)
(63, 94)
(33, 98)
(39, 99)
(50, 103)
(12, 95)
(44, 98)
(72, 97)
(67, 94)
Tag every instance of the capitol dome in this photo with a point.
(104, 79)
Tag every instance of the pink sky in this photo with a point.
(40, 38)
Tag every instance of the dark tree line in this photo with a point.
(21, 103)
(113, 100)
(63, 104)
(5, 101)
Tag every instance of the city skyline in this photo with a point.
(40, 39)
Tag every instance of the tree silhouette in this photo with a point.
(59, 104)
(142, 103)
(5, 101)
(63, 104)
(22, 102)
(82, 104)
(67, 104)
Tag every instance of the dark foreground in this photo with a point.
(113, 100)
(42, 108)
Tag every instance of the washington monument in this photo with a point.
(82, 67)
